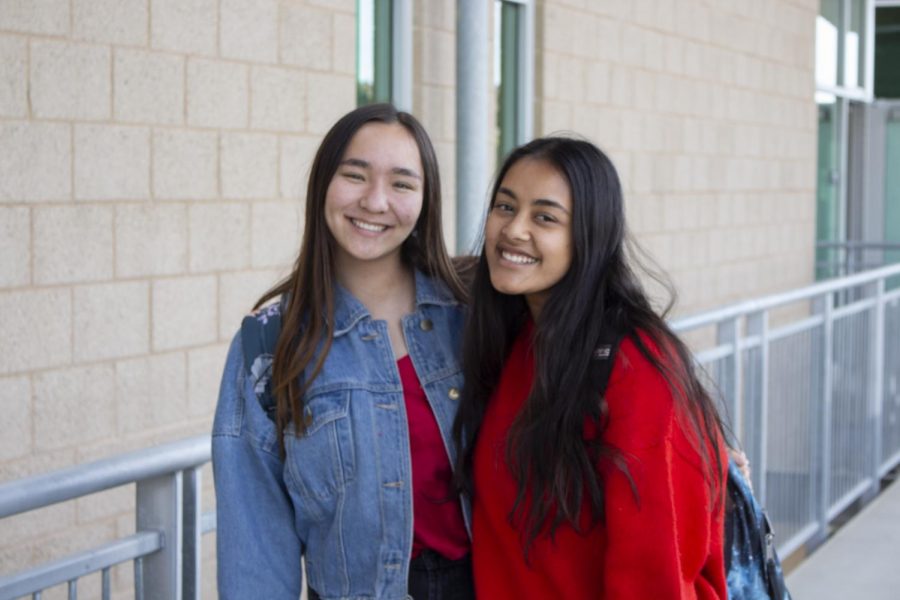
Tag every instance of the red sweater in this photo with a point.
(667, 545)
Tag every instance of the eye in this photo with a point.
(503, 207)
(545, 218)
(353, 176)
(404, 185)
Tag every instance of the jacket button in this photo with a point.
(426, 325)
(453, 394)
(307, 418)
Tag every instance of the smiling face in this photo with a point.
(375, 196)
(528, 233)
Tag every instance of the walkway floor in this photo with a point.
(861, 560)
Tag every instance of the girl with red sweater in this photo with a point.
(577, 495)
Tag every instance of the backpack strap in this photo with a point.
(259, 335)
(603, 358)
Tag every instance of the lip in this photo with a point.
(367, 227)
(516, 258)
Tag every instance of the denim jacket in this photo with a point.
(342, 497)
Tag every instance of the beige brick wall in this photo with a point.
(153, 157)
(434, 89)
(706, 109)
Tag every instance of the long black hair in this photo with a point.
(311, 282)
(555, 468)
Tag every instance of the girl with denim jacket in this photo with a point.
(577, 495)
(350, 468)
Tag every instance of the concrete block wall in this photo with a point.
(434, 93)
(153, 159)
(706, 109)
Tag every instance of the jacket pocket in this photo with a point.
(321, 461)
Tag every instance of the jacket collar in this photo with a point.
(348, 310)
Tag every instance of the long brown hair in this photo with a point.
(308, 292)
(554, 467)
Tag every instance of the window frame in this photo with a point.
(524, 70)
(398, 47)
(864, 92)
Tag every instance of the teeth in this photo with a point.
(519, 259)
(368, 226)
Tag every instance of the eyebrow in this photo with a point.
(362, 164)
(538, 201)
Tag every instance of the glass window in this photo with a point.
(508, 29)
(892, 187)
(854, 57)
(373, 51)
(841, 38)
(828, 184)
(887, 52)
(827, 27)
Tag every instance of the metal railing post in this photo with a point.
(823, 491)
(729, 375)
(192, 533)
(160, 508)
(758, 326)
(876, 377)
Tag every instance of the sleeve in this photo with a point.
(664, 535)
(258, 549)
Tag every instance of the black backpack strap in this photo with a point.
(603, 358)
(259, 335)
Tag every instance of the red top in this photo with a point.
(668, 545)
(437, 517)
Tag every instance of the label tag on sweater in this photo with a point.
(602, 352)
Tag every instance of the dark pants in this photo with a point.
(433, 577)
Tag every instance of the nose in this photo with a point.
(376, 198)
(516, 229)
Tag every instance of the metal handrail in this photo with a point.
(166, 547)
(775, 300)
(68, 483)
(826, 377)
(77, 565)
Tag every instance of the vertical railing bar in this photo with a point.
(139, 579)
(160, 507)
(104, 577)
(814, 381)
(757, 325)
(738, 375)
(73, 589)
(191, 511)
(894, 324)
(877, 382)
(763, 464)
(36, 596)
(825, 415)
(728, 332)
(751, 404)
